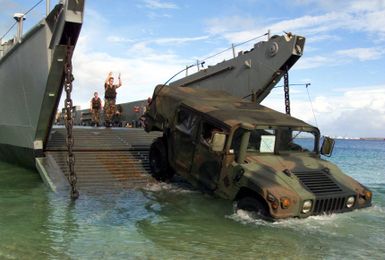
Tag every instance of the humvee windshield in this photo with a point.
(277, 140)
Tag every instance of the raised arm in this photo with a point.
(119, 81)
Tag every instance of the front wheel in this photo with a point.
(159, 165)
(253, 205)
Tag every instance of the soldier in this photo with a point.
(110, 98)
(96, 105)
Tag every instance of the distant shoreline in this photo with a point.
(361, 138)
(373, 138)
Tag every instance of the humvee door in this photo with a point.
(184, 140)
(207, 163)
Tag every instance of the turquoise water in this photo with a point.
(172, 221)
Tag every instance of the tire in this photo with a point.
(160, 168)
(253, 205)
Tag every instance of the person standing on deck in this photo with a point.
(96, 106)
(110, 98)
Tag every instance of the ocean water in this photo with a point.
(173, 221)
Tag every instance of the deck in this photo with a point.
(105, 159)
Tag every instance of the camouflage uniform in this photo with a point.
(109, 109)
(95, 111)
(109, 103)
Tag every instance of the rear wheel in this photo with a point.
(159, 166)
(253, 205)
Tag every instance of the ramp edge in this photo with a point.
(51, 174)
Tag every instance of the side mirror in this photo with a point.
(327, 146)
(218, 142)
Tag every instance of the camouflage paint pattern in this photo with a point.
(95, 114)
(109, 109)
(273, 177)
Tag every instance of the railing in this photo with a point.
(200, 63)
(19, 19)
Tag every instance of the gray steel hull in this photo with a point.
(253, 72)
(31, 77)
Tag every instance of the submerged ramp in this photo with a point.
(105, 158)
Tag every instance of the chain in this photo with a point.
(69, 120)
(286, 89)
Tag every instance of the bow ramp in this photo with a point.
(105, 159)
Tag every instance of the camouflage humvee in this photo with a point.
(264, 160)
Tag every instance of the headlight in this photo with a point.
(306, 206)
(350, 202)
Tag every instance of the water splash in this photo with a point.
(321, 223)
(175, 187)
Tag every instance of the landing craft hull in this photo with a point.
(31, 82)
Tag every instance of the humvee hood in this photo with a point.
(285, 167)
(279, 163)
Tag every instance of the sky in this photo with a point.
(148, 41)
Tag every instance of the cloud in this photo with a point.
(322, 37)
(354, 16)
(157, 4)
(141, 63)
(358, 112)
(141, 70)
(177, 41)
(360, 122)
(312, 62)
(118, 39)
(363, 54)
(340, 57)
(369, 96)
(159, 41)
(219, 26)
(306, 25)
(155, 15)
